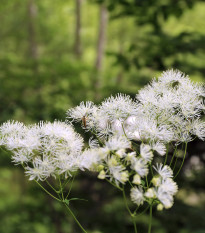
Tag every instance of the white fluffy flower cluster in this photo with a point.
(172, 106)
(46, 149)
(129, 132)
(162, 192)
(166, 110)
(126, 134)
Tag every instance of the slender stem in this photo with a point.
(175, 164)
(124, 130)
(66, 182)
(70, 187)
(71, 212)
(182, 160)
(125, 201)
(134, 222)
(47, 191)
(150, 164)
(61, 190)
(62, 200)
(97, 137)
(67, 207)
(173, 156)
(136, 210)
(147, 182)
(51, 186)
(144, 211)
(114, 185)
(150, 219)
(130, 183)
(128, 209)
(167, 152)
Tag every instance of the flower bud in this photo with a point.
(156, 181)
(150, 193)
(124, 176)
(136, 179)
(101, 175)
(160, 207)
(100, 167)
(112, 162)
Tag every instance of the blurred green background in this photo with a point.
(55, 54)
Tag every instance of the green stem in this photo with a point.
(51, 186)
(47, 191)
(130, 183)
(61, 190)
(70, 187)
(71, 212)
(173, 156)
(150, 220)
(66, 182)
(125, 201)
(128, 209)
(114, 185)
(182, 161)
(144, 211)
(97, 137)
(147, 182)
(134, 223)
(150, 164)
(167, 152)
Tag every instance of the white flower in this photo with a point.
(119, 107)
(172, 76)
(165, 192)
(37, 172)
(117, 126)
(118, 143)
(168, 186)
(146, 153)
(163, 170)
(140, 166)
(120, 153)
(157, 180)
(166, 199)
(93, 143)
(20, 157)
(91, 158)
(169, 104)
(135, 135)
(198, 129)
(45, 149)
(12, 127)
(81, 111)
(160, 148)
(137, 195)
(130, 156)
(112, 162)
(68, 164)
(119, 174)
(59, 137)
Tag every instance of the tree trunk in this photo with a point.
(100, 47)
(77, 43)
(32, 14)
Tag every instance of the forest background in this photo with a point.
(55, 54)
